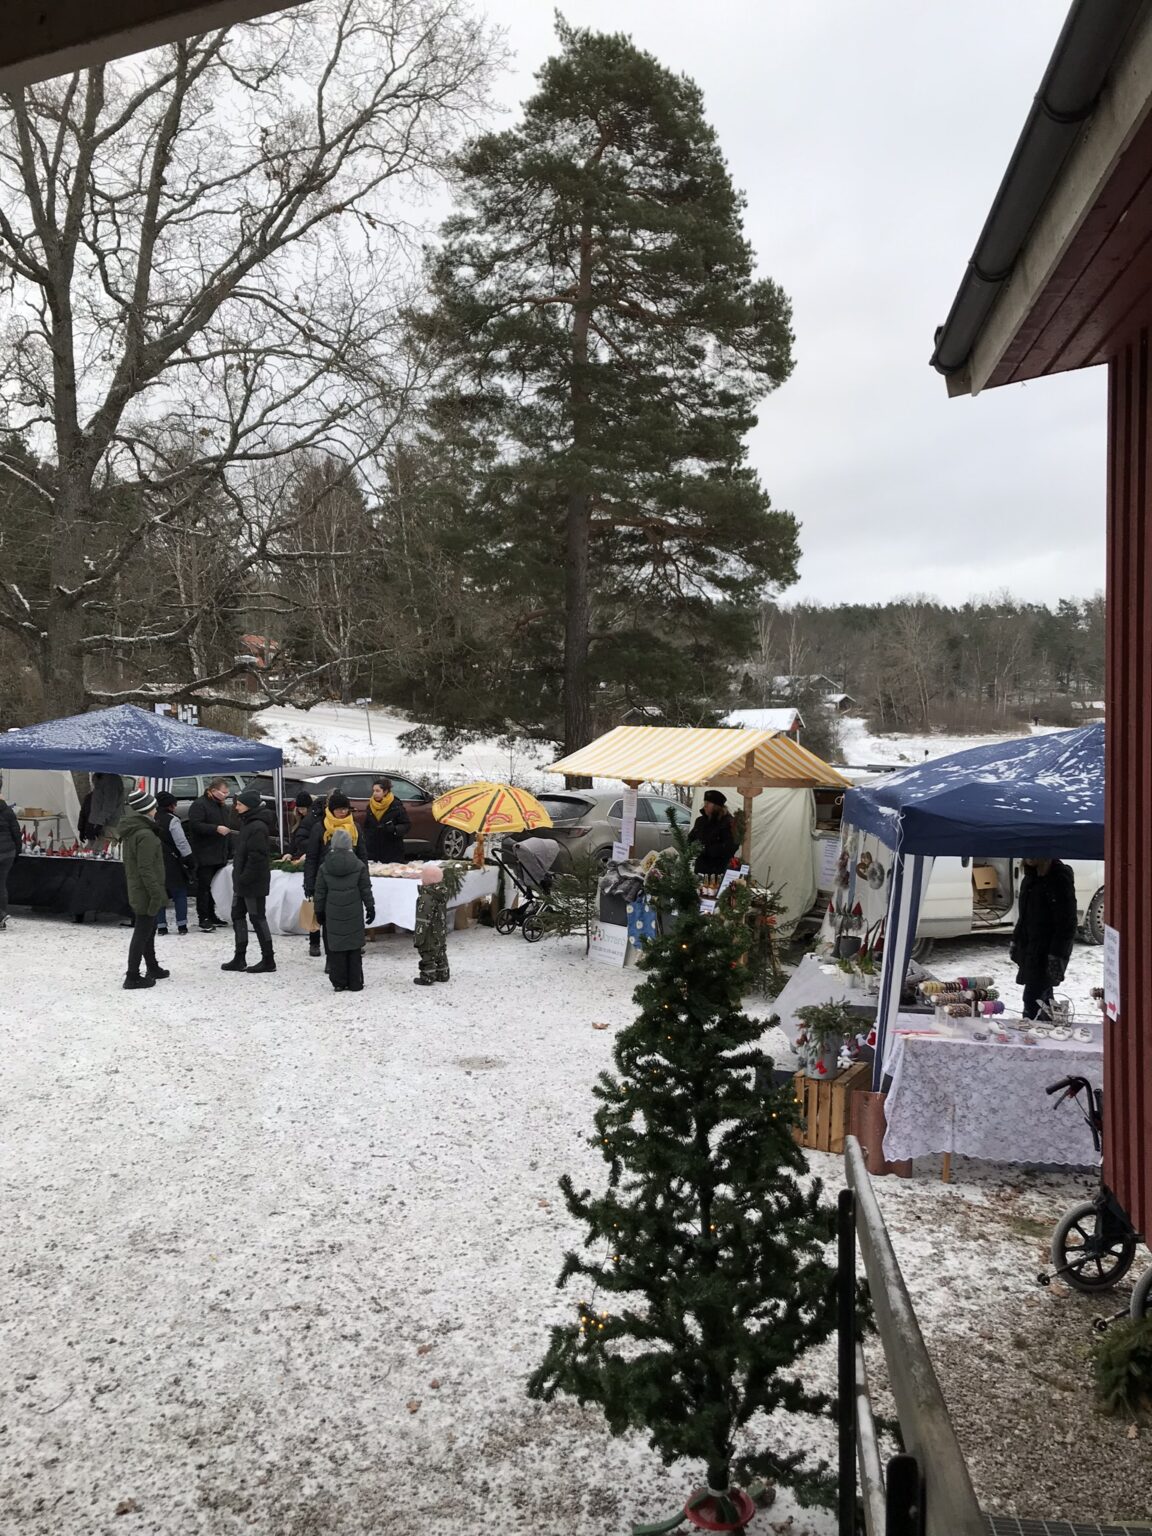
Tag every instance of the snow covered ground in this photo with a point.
(278, 1260)
(860, 748)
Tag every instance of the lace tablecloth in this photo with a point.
(395, 898)
(978, 1099)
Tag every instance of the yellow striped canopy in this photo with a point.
(662, 754)
(485, 808)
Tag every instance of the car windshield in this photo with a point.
(565, 807)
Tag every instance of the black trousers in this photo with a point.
(143, 945)
(1038, 1002)
(250, 909)
(6, 862)
(346, 970)
(205, 906)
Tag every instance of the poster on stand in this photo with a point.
(1111, 973)
(609, 943)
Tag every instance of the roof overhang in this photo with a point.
(55, 37)
(1061, 270)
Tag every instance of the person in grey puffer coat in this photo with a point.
(11, 842)
(343, 902)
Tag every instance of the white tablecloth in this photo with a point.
(984, 1100)
(395, 898)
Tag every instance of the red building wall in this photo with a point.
(1128, 814)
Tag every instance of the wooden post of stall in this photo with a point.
(749, 787)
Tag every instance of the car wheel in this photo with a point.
(604, 855)
(921, 949)
(1093, 929)
(452, 843)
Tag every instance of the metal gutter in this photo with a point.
(1090, 43)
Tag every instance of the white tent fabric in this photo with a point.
(910, 875)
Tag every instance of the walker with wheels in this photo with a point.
(1094, 1244)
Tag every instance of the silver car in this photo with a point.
(589, 820)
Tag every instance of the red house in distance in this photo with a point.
(1061, 278)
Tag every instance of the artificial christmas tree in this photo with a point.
(708, 1280)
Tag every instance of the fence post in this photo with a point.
(846, 1360)
(905, 1503)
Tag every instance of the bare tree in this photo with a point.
(202, 250)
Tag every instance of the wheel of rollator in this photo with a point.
(533, 929)
(1088, 1260)
(505, 920)
(1140, 1306)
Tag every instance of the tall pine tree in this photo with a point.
(704, 1275)
(607, 341)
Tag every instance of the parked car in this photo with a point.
(190, 786)
(427, 837)
(591, 819)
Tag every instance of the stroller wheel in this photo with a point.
(506, 920)
(1087, 1256)
(533, 928)
(1141, 1304)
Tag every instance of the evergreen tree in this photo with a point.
(606, 342)
(707, 1251)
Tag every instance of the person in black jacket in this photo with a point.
(11, 842)
(179, 865)
(386, 825)
(335, 817)
(251, 879)
(1045, 932)
(306, 817)
(715, 831)
(209, 827)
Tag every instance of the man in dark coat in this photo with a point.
(1045, 932)
(251, 879)
(715, 831)
(11, 842)
(144, 874)
(344, 905)
(209, 827)
(386, 825)
(179, 865)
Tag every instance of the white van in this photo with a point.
(973, 896)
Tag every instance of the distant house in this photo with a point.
(787, 720)
(642, 714)
(785, 688)
(842, 703)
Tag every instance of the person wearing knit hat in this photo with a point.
(336, 817)
(251, 881)
(179, 866)
(143, 856)
(715, 832)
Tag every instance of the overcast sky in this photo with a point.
(870, 137)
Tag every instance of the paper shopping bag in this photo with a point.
(307, 918)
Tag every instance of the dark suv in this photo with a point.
(427, 835)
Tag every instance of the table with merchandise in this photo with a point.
(73, 885)
(974, 1087)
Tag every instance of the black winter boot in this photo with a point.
(314, 946)
(267, 962)
(134, 983)
(157, 973)
(237, 962)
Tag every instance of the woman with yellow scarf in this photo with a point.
(337, 816)
(386, 824)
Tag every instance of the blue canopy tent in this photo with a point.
(129, 740)
(1040, 797)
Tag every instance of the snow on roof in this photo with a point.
(765, 719)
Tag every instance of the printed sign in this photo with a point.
(1111, 973)
(630, 804)
(829, 860)
(731, 876)
(609, 943)
(619, 852)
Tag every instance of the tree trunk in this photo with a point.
(63, 665)
(577, 707)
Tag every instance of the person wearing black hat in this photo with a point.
(251, 880)
(143, 856)
(307, 813)
(179, 865)
(715, 831)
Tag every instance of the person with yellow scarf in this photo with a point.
(337, 817)
(386, 825)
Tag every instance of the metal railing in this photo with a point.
(924, 1490)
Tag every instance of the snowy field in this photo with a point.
(860, 748)
(281, 1261)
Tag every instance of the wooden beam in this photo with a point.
(56, 37)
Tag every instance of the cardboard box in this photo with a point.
(985, 885)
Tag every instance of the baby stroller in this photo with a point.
(529, 867)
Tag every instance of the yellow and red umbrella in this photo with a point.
(486, 808)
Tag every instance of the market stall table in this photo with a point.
(955, 1094)
(72, 886)
(394, 896)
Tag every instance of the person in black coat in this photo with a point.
(251, 879)
(11, 842)
(715, 831)
(179, 865)
(386, 825)
(308, 812)
(1045, 932)
(209, 827)
(336, 817)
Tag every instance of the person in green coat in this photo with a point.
(343, 902)
(143, 854)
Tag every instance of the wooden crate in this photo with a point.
(825, 1108)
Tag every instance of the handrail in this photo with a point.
(950, 1506)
